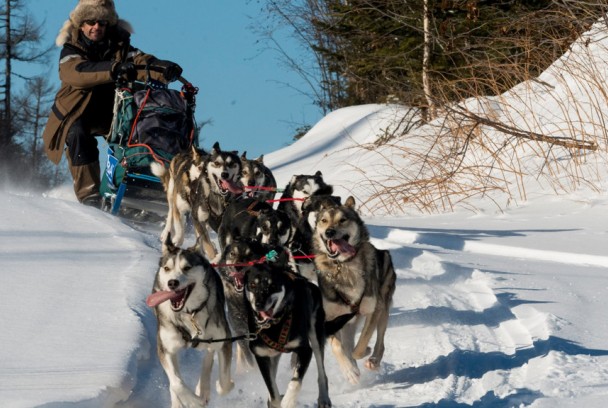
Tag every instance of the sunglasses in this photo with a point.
(102, 23)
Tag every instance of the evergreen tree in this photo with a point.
(477, 47)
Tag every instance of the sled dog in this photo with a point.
(257, 179)
(236, 256)
(201, 185)
(286, 312)
(355, 279)
(300, 188)
(258, 220)
(188, 301)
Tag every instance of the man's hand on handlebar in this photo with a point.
(125, 71)
(170, 70)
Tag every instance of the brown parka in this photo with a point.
(79, 74)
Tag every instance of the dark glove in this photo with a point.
(124, 70)
(171, 71)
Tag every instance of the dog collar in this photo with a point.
(279, 344)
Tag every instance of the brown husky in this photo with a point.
(357, 280)
(200, 184)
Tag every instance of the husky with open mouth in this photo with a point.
(200, 184)
(356, 280)
(286, 313)
(257, 178)
(236, 257)
(188, 301)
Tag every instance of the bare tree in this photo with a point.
(19, 42)
(324, 85)
(32, 107)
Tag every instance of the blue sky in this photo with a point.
(242, 85)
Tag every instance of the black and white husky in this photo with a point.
(236, 257)
(299, 189)
(258, 220)
(257, 178)
(286, 312)
(188, 301)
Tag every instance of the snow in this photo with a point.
(493, 308)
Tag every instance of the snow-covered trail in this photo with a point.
(469, 327)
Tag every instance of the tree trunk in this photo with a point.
(6, 132)
(426, 62)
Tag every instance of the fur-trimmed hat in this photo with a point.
(90, 10)
(94, 10)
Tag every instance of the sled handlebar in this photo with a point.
(154, 68)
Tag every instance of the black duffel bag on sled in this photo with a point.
(151, 123)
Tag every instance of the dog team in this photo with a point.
(284, 280)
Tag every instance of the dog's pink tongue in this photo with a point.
(342, 246)
(231, 186)
(159, 297)
(266, 314)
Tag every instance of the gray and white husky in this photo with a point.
(357, 282)
(188, 301)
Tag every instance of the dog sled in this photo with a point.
(151, 123)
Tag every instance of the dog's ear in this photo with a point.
(244, 155)
(350, 202)
(216, 148)
(260, 159)
(168, 246)
(318, 173)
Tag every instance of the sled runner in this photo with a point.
(151, 123)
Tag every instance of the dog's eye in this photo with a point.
(215, 164)
(186, 268)
(166, 268)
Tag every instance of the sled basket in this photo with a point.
(151, 123)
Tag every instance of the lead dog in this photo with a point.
(201, 185)
(357, 280)
(236, 256)
(188, 301)
(286, 312)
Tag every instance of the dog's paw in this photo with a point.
(358, 355)
(291, 395)
(372, 364)
(223, 389)
(187, 399)
(323, 403)
(352, 373)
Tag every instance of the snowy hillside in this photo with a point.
(567, 103)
